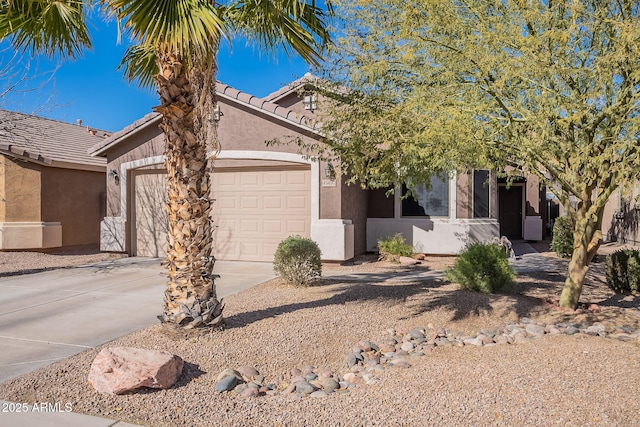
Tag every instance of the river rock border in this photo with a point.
(368, 359)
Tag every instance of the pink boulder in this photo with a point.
(405, 260)
(117, 370)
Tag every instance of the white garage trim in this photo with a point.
(113, 229)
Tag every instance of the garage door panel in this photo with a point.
(249, 202)
(225, 202)
(272, 226)
(296, 227)
(272, 202)
(150, 215)
(269, 206)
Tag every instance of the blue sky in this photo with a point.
(91, 89)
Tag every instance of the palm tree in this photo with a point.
(176, 46)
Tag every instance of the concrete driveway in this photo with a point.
(48, 316)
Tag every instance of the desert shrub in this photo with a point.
(393, 247)
(623, 271)
(562, 242)
(482, 267)
(297, 260)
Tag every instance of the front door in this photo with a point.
(510, 211)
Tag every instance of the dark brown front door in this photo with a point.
(510, 211)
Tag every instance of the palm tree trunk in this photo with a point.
(190, 298)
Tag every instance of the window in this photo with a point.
(428, 202)
(481, 194)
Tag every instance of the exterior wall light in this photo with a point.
(217, 113)
(330, 171)
(310, 101)
(113, 175)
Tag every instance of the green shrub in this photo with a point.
(623, 271)
(562, 242)
(393, 247)
(297, 260)
(482, 267)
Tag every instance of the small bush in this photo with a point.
(482, 267)
(297, 260)
(623, 271)
(562, 242)
(393, 247)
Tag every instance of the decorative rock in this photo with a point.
(595, 329)
(417, 334)
(407, 346)
(117, 370)
(229, 373)
(534, 330)
(571, 330)
(369, 346)
(330, 384)
(404, 260)
(501, 339)
(248, 372)
(350, 377)
(486, 339)
(304, 387)
(473, 341)
(525, 320)
(290, 389)
(295, 372)
(310, 377)
(250, 392)
(227, 384)
(308, 369)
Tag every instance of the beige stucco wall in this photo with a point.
(46, 206)
(75, 198)
(20, 191)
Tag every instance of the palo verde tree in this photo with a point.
(550, 88)
(175, 48)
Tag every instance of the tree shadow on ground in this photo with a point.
(346, 292)
(464, 303)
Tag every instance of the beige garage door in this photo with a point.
(150, 215)
(254, 210)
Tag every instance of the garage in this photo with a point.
(254, 209)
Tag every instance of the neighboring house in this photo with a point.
(51, 190)
(265, 193)
(621, 222)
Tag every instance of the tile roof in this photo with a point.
(291, 87)
(223, 91)
(49, 142)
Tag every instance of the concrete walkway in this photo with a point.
(52, 315)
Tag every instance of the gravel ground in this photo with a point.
(14, 263)
(563, 380)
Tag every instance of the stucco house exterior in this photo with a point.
(621, 222)
(51, 191)
(263, 193)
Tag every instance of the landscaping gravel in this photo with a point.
(24, 262)
(444, 358)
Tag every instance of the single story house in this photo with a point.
(264, 193)
(52, 193)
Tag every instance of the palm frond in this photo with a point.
(139, 64)
(190, 28)
(46, 26)
(291, 25)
